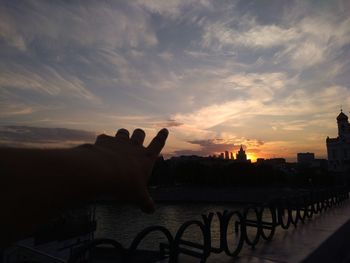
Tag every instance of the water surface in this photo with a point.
(123, 223)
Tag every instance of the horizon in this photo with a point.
(46, 138)
(270, 75)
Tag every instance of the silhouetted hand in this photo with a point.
(38, 184)
(129, 165)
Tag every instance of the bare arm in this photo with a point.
(38, 184)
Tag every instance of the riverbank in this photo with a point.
(239, 195)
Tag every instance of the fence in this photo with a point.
(250, 226)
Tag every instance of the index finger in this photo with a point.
(158, 143)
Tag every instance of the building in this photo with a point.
(231, 156)
(275, 162)
(305, 158)
(227, 155)
(241, 156)
(308, 160)
(260, 160)
(338, 149)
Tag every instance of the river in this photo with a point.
(123, 223)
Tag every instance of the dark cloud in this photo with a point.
(209, 147)
(212, 143)
(254, 143)
(169, 123)
(37, 136)
(189, 152)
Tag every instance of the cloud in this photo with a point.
(223, 34)
(216, 146)
(48, 81)
(13, 110)
(169, 123)
(166, 56)
(298, 41)
(163, 7)
(171, 8)
(208, 147)
(297, 103)
(9, 35)
(27, 136)
(295, 125)
(233, 69)
(62, 24)
(263, 85)
(320, 40)
(287, 119)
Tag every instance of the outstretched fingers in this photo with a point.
(122, 134)
(102, 139)
(137, 137)
(158, 142)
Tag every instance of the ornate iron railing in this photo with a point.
(284, 212)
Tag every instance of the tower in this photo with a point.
(241, 155)
(343, 124)
(338, 149)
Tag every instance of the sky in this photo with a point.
(269, 75)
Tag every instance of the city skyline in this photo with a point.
(270, 75)
(55, 137)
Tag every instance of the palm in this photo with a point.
(133, 162)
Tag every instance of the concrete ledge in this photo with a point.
(335, 249)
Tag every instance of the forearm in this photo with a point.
(39, 184)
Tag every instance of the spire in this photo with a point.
(342, 116)
(241, 155)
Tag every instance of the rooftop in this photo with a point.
(342, 116)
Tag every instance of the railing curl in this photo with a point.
(248, 227)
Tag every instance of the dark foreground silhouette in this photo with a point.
(38, 184)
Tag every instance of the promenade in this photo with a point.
(325, 238)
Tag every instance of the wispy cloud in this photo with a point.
(28, 136)
(169, 123)
(48, 81)
(223, 34)
(61, 24)
(300, 42)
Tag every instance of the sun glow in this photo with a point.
(252, 157)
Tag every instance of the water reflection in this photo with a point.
(123, 223)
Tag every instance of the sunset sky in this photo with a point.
(270, 75)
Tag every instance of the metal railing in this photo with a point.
(250, 226)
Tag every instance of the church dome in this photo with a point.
(342, 116)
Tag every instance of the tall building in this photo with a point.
(227, 155)
(241, 155)
(338, 149)
(305, 158)
(231, 156)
